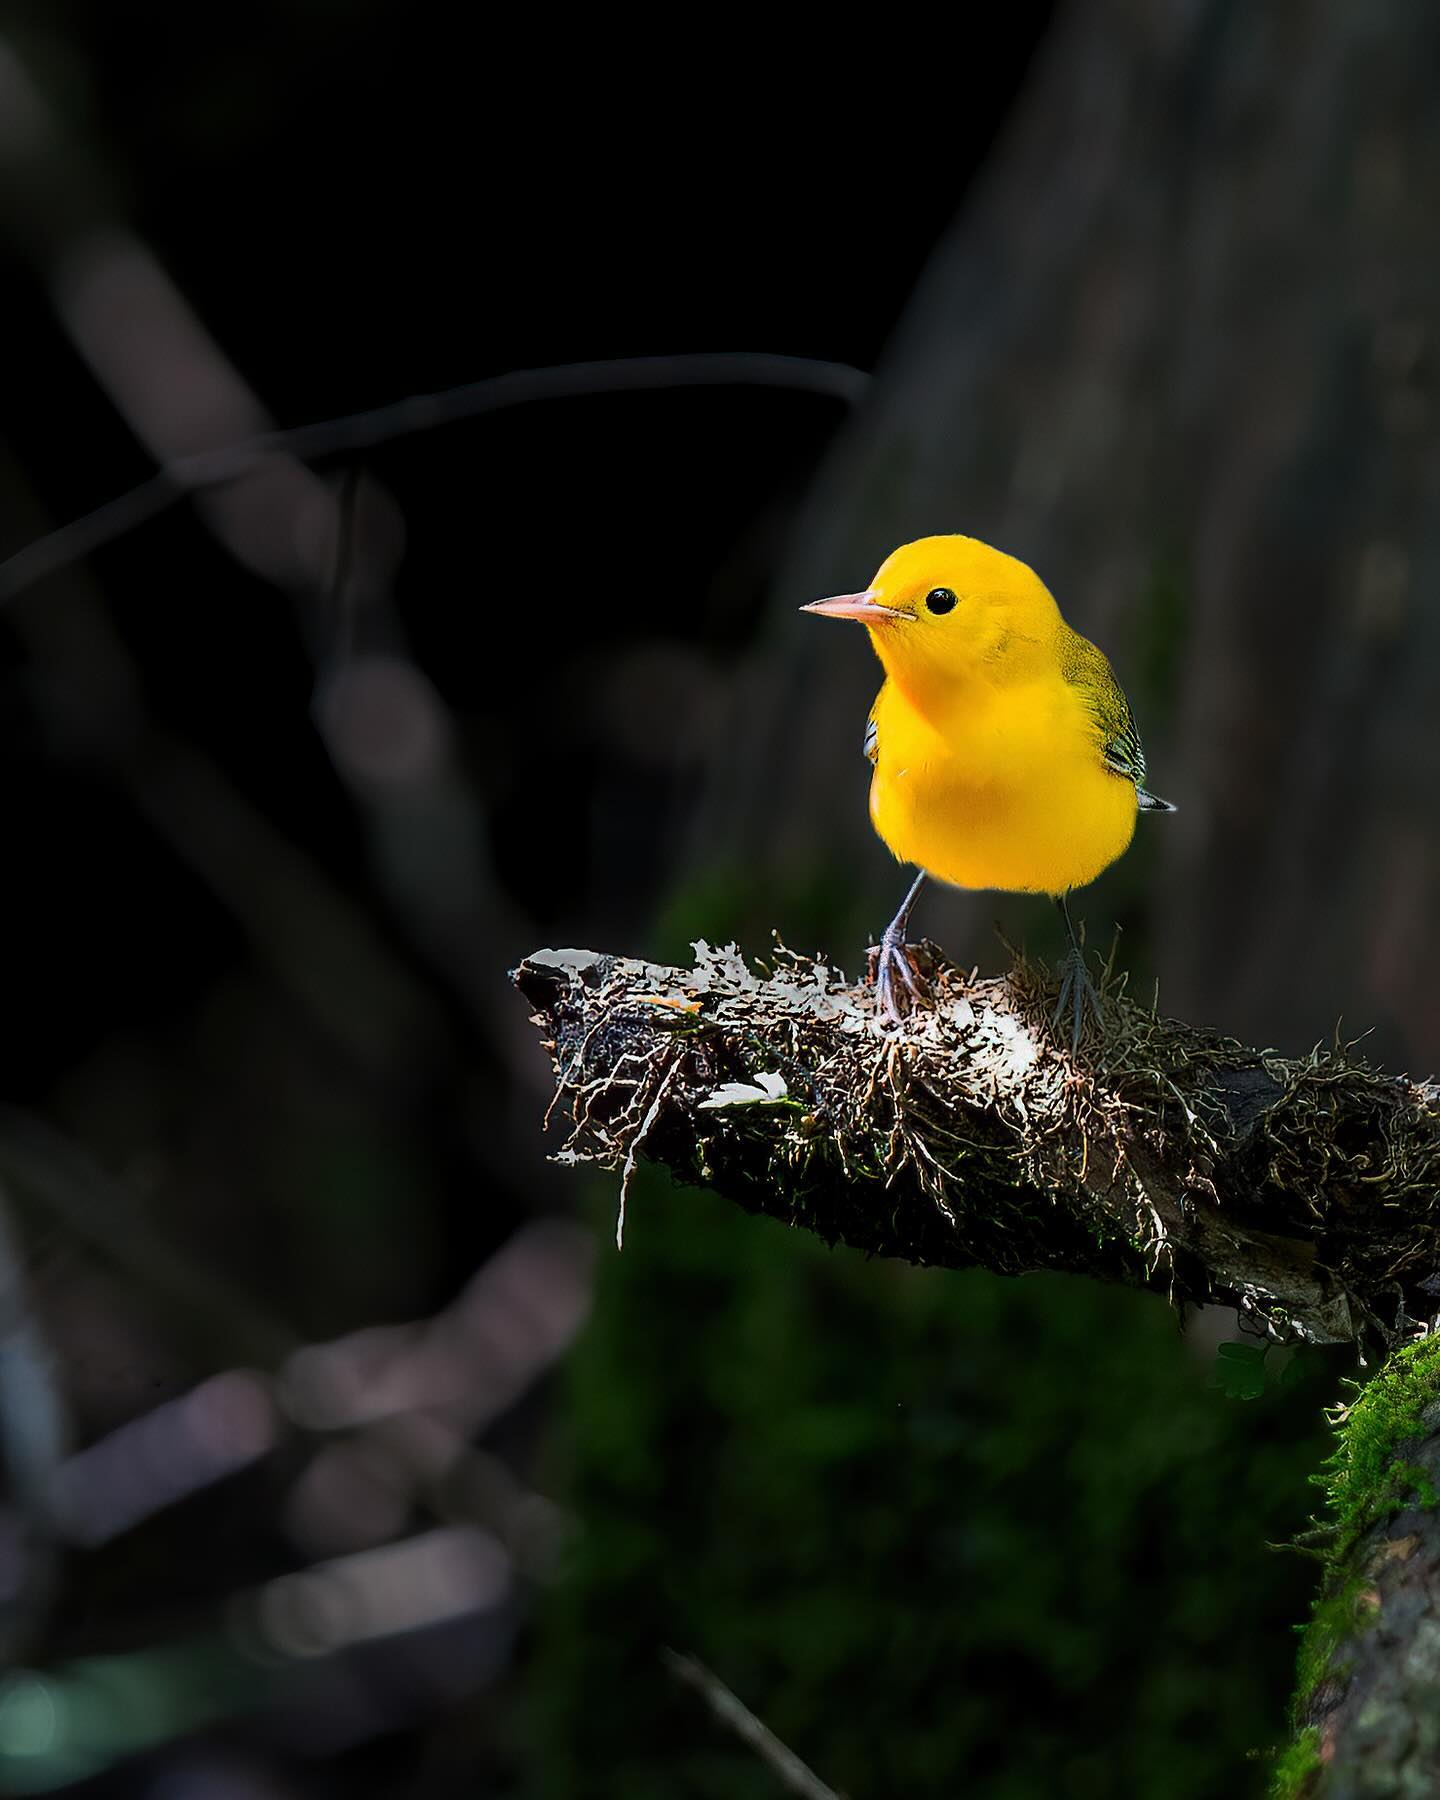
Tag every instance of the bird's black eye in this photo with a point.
(940, 600)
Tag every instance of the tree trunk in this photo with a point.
(1178, 353)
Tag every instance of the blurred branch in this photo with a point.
(733, 1713)
(186, 475)
(55, 1177)
(351, 982)
(312, 1652)
(398, 1407)
(384, 722)
(189, 404)
(1300, 1191)
(305, 930)
(34, 1434)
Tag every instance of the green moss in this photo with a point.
(1336, 1619)
(1297, 1768)
(1363, 1480)
(1414, 1481)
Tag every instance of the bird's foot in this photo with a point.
(1078, 995)
(899, 988)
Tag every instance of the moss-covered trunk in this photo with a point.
(1367, 1703)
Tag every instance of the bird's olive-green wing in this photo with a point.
(1087, 669)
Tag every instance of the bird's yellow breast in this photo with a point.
(1006, 788)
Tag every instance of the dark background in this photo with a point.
(273, 837)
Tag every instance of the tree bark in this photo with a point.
(1300, 1191)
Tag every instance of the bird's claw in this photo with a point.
(899, 988)
(1079, 994)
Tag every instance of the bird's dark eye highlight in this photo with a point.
(940, 600)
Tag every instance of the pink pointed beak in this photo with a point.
(864, 607)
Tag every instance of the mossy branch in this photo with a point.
(1301, 1191)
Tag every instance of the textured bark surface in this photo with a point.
(1302, 1192)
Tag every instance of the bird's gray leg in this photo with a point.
(898, 986)
(1077, 990)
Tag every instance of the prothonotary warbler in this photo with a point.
(1005, 754)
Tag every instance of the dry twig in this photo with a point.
(733, 1713)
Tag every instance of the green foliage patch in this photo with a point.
(942, 1532)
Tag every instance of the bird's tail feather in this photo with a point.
(1152, 802)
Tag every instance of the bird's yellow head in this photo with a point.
(951, 609)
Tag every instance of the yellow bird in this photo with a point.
(1005, 754)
